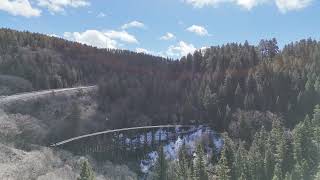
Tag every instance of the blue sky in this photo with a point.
(165, 27)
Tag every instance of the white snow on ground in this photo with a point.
(171, 149)
(145, 164)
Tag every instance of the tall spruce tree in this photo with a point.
(269, 161)
(223, 169)
(200, 172)
(241, 163)
(277, 172)
(305, 150)
(86, 171)
(161, 166)
(182, 169)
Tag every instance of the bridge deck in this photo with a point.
(118, 130)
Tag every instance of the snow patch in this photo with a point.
(171, 149)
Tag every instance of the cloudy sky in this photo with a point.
(165, 27)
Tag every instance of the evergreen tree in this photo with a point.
(256, 163)
(238, 101)
(288, 162)
(241, 163)
(309, 85)
(182, 170)
(86, 172)
(229, 149)
(316, 126)
(214, 153)
(297, 173)
(242, 177)
(161, 166)
(200, 172)
(269, 162)
(288, 176)
(317, 176)
(305, 150)
(317, 85)
(223, 171)
(277, 172)
(244, 130)
(316, 116)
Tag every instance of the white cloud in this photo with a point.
(249, 4)
(202, 3)
(54, 35)
(93, 38)
(199, 30)
(168, 36)
(60, 5)
(181, 49)
(122, 36)
(133, 24)
(288, 5)
(142, 50)
(101, 39)
(283, 5)
(101, 15)
(19, 8)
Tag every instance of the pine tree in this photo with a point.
(238, 99)
(316, 116)
(269, 161)
(242, 177)
(256, 163)
(182, 170)
(309, 85)
(200, 172)
(288, 176)
(229, 149)
(244, 130)
(305, 150)
(297, 173)
(279, 142)
(214, 153)
(223, 171)
(288, 162)
(317, 176)
(316, 126)
(261, 139)
(207, 99)
(240, 163)
(317, 85)
(86, 172)
(161, 166)
(277, 172)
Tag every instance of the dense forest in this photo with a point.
(48, 62)
(279, 154)
(222, 87)
(260, 95)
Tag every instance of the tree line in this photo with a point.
(258, 94)
(209, 86)
(279, 154)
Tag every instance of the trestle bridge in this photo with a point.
(125, 143)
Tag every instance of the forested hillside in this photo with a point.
(259, 95)
(279, 154)
(212, 85)
(49, 62)
(209, 86)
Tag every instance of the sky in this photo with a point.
(169, 28)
